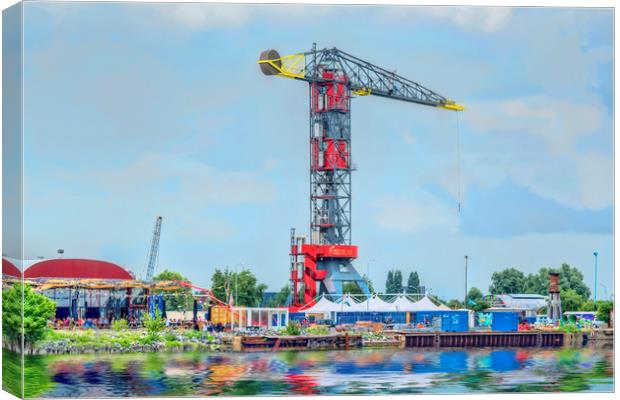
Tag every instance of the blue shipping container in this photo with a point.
(451, 321)
(296, 316)
(385, 317)
(505, 321)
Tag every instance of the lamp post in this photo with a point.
(595, 274)
(605, 288)
(466, 257)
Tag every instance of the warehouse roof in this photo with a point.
(9, 269)
(520, 301)
(77, 269)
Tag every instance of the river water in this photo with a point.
(364, 371)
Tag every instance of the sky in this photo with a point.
(138, 110)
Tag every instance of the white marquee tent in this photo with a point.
(323, 306)
(374, 304)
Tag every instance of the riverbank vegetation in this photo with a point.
(124, 340)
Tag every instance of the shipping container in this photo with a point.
(505, 321)
(370, 316)
(447, 321)
(296, 316)
(220, 315)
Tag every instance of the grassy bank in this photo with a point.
(122, 341)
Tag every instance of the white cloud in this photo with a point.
(472, 19)
(193, 182)
(595, 173)
(481, 19)
(544, 137)
(204, 16)
(559, 123)
(413, 214)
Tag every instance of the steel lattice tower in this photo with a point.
(334, 76)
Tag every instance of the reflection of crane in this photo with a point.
(154, 251)
(334, 77)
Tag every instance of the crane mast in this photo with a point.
(153, 251)
(334, 77)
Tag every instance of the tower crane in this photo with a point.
(334, 77)
(154, 251)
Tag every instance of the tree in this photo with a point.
(604, 310)
(571, 300)
(398, 282)
(394, 283)
(371, 287)
(588, 306)
(454, 304)
(510, 280)
(570, 278)
(389, 283)
(351, 288)
(476, 300)
(242, 287)
(538, 283)
(38, 310)
(221, 284)
(178, 299)
(281, 298)
(413, 283)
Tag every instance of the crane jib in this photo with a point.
(363, 77)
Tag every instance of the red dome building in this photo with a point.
(9, 269)
(75, 269)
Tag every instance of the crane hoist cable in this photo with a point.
(458, 162)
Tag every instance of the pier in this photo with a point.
(481, 339)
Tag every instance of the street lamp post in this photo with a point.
(466, 257)
(595, 274)
(605, 288)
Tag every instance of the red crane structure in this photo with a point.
(325, 263)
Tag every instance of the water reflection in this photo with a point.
(328, 372)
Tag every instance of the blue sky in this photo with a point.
(136, 110)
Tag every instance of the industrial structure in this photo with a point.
(334, 77)
(554, 308)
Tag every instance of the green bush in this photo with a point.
(569, 327)
(293, 328)
(172, 343)
(192, 334)
(119, 325)
(146, 339)
(125, 342)
(170, 337)
(154, 325)
(318, 330)
(603, 309)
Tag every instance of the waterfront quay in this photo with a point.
(401, 339)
